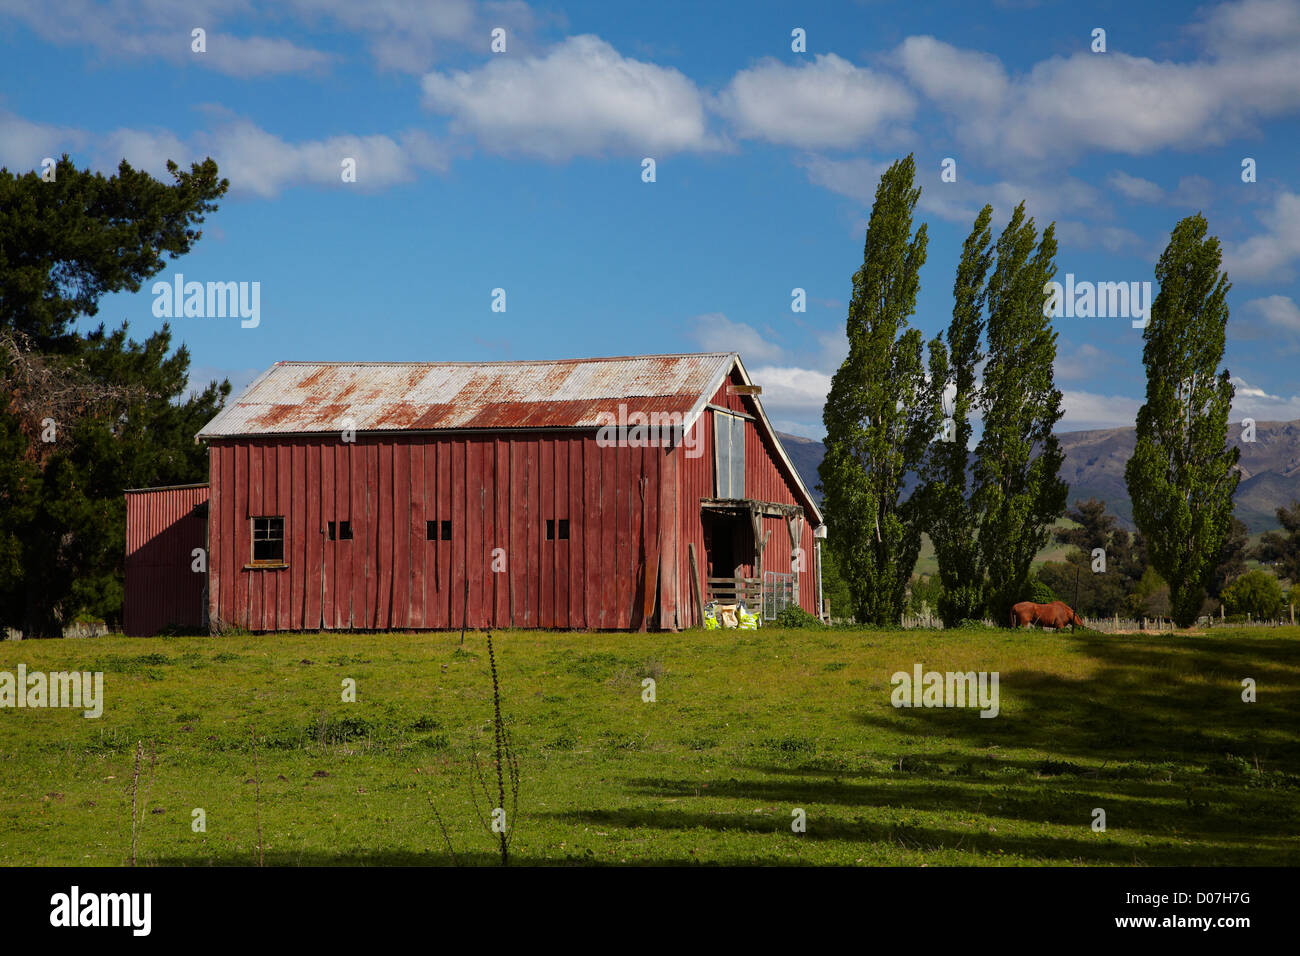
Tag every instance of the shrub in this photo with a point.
(1256, 593)
(1039, 592)
(795, 616)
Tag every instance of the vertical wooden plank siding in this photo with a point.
(498, 490)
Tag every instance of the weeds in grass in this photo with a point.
(499, 820)
(139, 801)
(257, 797)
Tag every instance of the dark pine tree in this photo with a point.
(83, 417)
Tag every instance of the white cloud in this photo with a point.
(1072, 234)
(1250, 26)
(1258, 404)
(943, 72)
(1088, 410)
(1067, 106)
(255, 161)
(825, 103)
(1132, 187)
(1278, 310)
(790, 392)
(716, 333)
(405, 35)
(1082, 362)
(24, 144)
(261, 163)
(1192, 192)
(1270, 254)
(961, 201)
(408, 35)
(162, 29)
(581, 98)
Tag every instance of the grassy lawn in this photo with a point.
(747, 727)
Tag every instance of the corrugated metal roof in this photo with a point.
(317, 397)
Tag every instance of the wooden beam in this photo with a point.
(730, 411)
(733, 389)
(696, 585)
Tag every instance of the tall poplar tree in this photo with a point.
(1018, 494)
(1182, 475)
(952, 521)
(880, 415)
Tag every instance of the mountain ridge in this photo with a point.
(1094, 468)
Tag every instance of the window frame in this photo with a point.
(729, 459)
(254, 541)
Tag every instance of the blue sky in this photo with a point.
(522, 170)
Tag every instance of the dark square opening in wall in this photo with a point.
(435, 530)
(340, 530)
(550, 529)
(446, 531)
(557, 529)
(268, 538)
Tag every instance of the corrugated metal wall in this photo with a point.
(498, 490)
(163, 527)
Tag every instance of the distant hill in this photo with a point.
(1094, 467)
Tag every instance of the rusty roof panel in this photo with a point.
(313, 397)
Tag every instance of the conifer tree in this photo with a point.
(952, 522)
(1182, 475)
(879, 415)
(1018, 495)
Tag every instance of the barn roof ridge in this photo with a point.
(556, 361)
(301, 397)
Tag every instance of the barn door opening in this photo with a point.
(729, 558)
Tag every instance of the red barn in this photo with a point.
(610, 493)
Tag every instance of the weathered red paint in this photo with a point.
(164, 526)
(632, 513)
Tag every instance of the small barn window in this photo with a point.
(557, 529)
(268, 539)
(564, 529)
(729, 454)
(340, 531)
(433, 530)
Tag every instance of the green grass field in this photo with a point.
(747, 727)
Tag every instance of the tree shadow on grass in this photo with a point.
(1141, 704)
(1157, 737)
(1087, 848)
(1223, 814)
(396, 858)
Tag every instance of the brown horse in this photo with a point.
(1057, 614)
